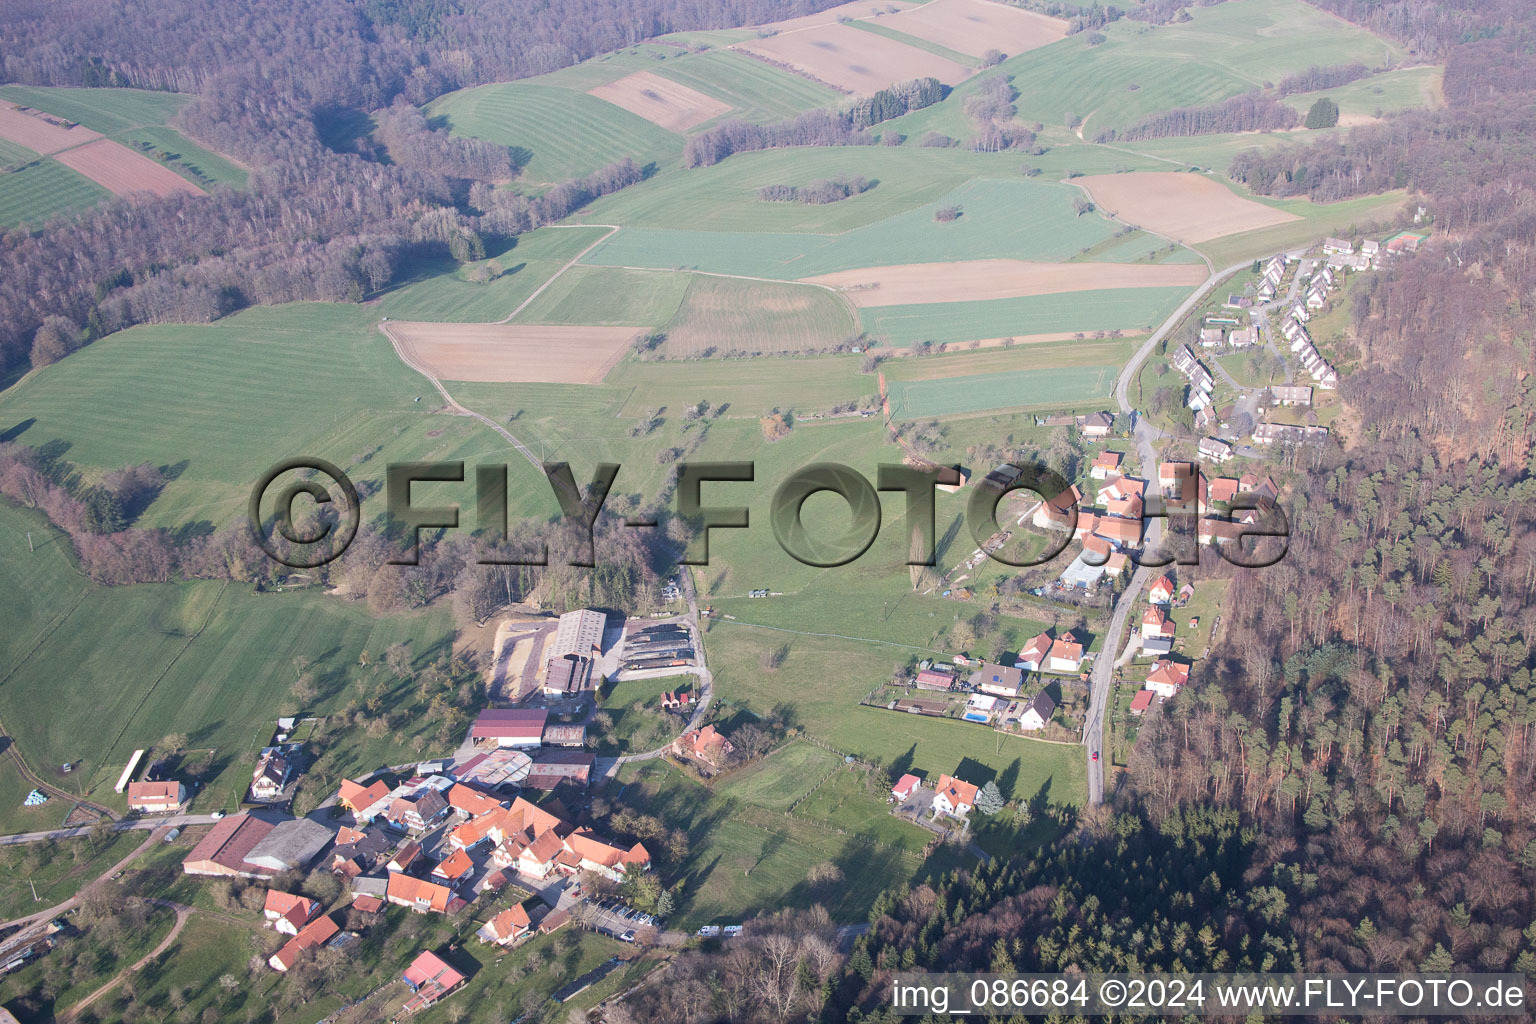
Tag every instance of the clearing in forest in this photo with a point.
(660, 101)
(914, 283)
(512, 353)
(1182, 206)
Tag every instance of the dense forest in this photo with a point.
(314, 223)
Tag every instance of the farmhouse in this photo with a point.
(954, 797)
(222, 851)
(998, 680)
(1037, 712)
(314, 935)
(509, 727)
(156, 797)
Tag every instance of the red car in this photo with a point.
(1095, 755)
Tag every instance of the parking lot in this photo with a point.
(613, 918)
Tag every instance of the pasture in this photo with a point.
(1221, 51)
(1120, 309)
(263, 385)
(975, 280)
(727, 316)
(1188, 207)
(1031, 220)
(1371, 97)
(749, 389)
(661, 101)
(94, 672)
(1019, 389)
(508, 353)
(755, 91)
(608, 296)
(36, 191)
(776, 782)
(557, 133)
(824, 678)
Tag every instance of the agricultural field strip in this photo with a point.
(92, 155)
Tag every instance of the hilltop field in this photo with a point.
(944, 307)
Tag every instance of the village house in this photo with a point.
(453, 869)
(1105, 464)
(1211, 337)
(312, 936)
(1243, 337)
(430, 978)
(1215, 449)
(1219, 531)
(706, 744)
(1282, 433)
(1097, 424)
(1037, 712)
(1155, 623)
(1161, 591)
(1280, 394)
(998, 680)
(679, 700)
(1055, 513)
(954, 797)
(1223, 490)
(1122, 488)
(1032, 657)
(156, 797)
(405, 858)
(270, 776)
(419, 894)
(506, 927)
(357, 853)
(1167, 678)
(360, 799)
(418, 811)
(1115, 565)
(287, 912)
(1066, 655)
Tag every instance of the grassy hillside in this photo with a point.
(560, 133)
(757, 91)
(1020, 219)
(1386, 93)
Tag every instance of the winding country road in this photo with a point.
(1103, 676)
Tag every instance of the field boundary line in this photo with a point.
(613, 229)
(128, 718)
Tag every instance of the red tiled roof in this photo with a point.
(152, 792)
(471, 801)
(957, 792)
(316, 933)
(403, 887)
(368, 904)
(230, 841)
(456, 865)
(429, 969)
(905, 785)
(357, 796)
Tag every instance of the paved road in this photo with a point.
(128, 825)
(1103, 675)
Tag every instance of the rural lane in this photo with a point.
(131, 824)
(1103, 675)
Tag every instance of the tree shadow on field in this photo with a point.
(14, 432)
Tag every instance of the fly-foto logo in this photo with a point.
(334, 512)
